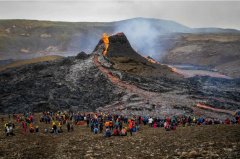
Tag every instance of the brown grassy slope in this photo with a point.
(30, 61)
(217, 141)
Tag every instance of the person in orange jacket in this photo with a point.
(107, 124)
(130, 126)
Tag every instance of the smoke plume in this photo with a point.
(142, 35)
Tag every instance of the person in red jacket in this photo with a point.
(24, 126)
(116, 132)
(155, 125)
(227, 121)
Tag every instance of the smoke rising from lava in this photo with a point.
(142, 35)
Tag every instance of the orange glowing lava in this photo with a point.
(106, 43)
(174, 69)
(203, 106)
(151, 60)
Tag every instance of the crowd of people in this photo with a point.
(28, 124)
(115, 125)
(106, 124)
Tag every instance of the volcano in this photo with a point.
(119, 46)
(125, 58)
(120, 81)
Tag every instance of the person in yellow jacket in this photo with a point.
(54, 128)
(60, 128)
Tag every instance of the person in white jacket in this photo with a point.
(150, 121)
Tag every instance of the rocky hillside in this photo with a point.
(69, 83)
(95, 82)
(220, 52)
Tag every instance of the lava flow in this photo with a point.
(115, 80)
(203, 106)
(161, 99)
(151, 60)
(106, 43)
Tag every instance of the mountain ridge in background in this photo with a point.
(164, 40)
(75, 36)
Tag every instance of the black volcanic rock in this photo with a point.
(119, 46)
(69, 83)
(82, 55)
(76, 83)
(126, 59)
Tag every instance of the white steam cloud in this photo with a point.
(142, 35)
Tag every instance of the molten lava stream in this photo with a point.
(199, 105)
(151, 60)
(116, 81)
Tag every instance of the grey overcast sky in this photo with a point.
(225, 14)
